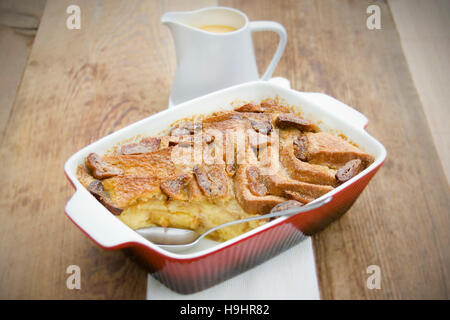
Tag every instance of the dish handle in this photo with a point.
(338, 108)
(89, 216)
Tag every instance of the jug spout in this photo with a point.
(169, 17)
(177, 22)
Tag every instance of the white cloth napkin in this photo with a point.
(291, 275)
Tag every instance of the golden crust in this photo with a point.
(327, 150)
(279, 183)
(155, 181)
(212, 180)
(304, 171)
(250, 202)
(157, 164)
(126, 190)
(83, 176)
(174, 187)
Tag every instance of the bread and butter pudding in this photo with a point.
(222, 167)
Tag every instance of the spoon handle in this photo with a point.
(287, 212)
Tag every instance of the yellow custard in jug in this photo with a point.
(216, 28)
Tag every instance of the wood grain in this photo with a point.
(424, 29)
(13, 56)
(80, 85)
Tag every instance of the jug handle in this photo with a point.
(279, 29)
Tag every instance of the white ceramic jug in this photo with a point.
(208, 61)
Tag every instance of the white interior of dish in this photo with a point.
(108, 231)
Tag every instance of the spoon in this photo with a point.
(174, 238)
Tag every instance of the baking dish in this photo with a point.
(212, 262)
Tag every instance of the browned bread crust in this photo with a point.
(310, 164)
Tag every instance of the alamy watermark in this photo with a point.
(374, 280)
(74, 280)
(230, 147)
(373, 22)
(73, 21)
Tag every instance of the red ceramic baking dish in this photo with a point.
(212, 262)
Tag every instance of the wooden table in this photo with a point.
(80, 85)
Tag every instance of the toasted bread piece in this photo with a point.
(279, 183)
(83, 176)
(328, 150)
(97, 190)
(269, 106)
(290, 120)
(99, 168)
(157, 164)
(304, 171)
(174, 187)
(247, 200)
(212, 180)
(290, 204)
(126, 190)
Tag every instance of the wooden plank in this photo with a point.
(13, 57)
(401, 221)
(424, 29)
